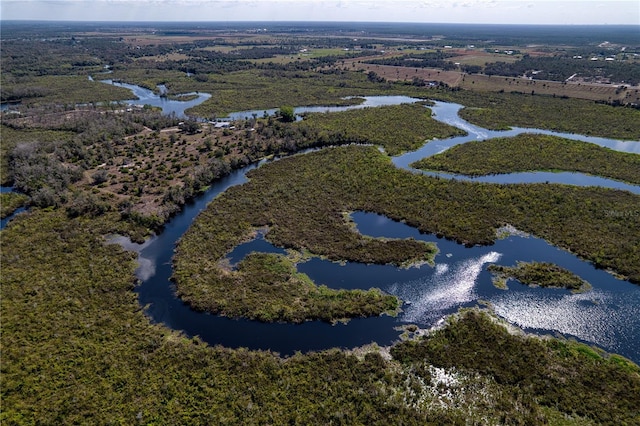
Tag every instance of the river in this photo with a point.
(169, 106)
(607, 316)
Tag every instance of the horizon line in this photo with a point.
(115, 21)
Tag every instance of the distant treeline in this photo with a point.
(419, 60)
(561, 68)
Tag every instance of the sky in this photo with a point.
(563, 12)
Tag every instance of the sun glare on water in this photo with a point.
(448, 287)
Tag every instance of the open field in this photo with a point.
(395, 73)
(170, 40)
(480, 82)
(168, 57)
(481, 58)
(589, 91)
(306, 55)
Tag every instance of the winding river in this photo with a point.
(607, 316)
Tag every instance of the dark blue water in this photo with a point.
(6, 106)
(607, 316)
(258, 244)
(157, 294)
(4, 222)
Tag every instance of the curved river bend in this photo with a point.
(608, 315)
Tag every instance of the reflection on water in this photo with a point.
(449, 286)
(169, 106)
(608, 316)
(605, 318)
(146, 266)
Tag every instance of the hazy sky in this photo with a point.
(426, 11)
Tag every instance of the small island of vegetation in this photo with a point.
(542, 274)
(397, 128)
(527, 152)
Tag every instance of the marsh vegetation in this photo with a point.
(528, 152)
(10, 202)
(500, 111)
(397, 129)
(77, 346)
(541, 274)
(307, 214)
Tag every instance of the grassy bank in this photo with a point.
(528, 152)
(10, 202)
(542, 274)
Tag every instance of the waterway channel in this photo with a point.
(607, 316)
